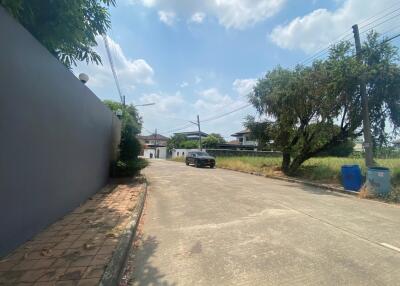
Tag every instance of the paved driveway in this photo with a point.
(219, 227)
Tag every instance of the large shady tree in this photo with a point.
(311, 109)
(67, 28)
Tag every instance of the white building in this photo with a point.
(181, 152)
(158, 152)
(244, 140)
(154, 146)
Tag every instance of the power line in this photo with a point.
(391, 38)
(387, 14)
(177, 129)
(226, 114)
(345, 35)
(215, 117)
(380, 12)
(388, 31)
(110, 60)
(147, 130)
(381, 23)
(326, 49)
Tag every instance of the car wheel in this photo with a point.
(187, 163)
(196, 164)
(212, 166)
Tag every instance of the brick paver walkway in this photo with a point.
(76, 249)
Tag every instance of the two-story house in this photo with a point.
(154, 146)
(244, 139)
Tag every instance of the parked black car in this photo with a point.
(200, 159)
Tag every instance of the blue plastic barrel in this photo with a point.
(378, 180)
(351, 177)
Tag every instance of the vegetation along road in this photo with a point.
(220, 227)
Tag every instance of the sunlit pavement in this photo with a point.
(219, 227)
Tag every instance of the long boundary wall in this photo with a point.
(56, 137)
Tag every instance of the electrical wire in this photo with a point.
(345, 35)
(379, 24)
(226, 114)
(390, 39)
(110, 60)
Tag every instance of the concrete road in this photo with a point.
(219, 227)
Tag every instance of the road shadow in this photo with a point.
(142, 271)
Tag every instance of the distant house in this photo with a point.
(243, 141)
(193, 135)
(244, 138)
(154, 146)
(153, 139)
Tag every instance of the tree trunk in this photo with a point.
(296, 163)
(285, 161)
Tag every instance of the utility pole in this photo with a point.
(369, 157)
(198, 125)
(155, 145)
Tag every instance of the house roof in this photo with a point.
(153, 137)
(193, 133)
(240, 133)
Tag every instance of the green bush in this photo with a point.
(129, 168)
(189, 144)
(128, 164)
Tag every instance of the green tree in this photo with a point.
(129, 148)
(190, 144)
(128, 112)
(213, 140)
(312, 109)
(176, 141)
(67, 28)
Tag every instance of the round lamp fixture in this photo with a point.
(83, 77)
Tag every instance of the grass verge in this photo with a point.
(321, 170)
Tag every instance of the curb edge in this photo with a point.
(113, 271)
(298, 181)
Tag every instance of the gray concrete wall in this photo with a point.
(56, 137)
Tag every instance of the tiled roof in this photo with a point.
(246, 131)
(153, 137)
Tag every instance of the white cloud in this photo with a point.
(212, 101)
(240, 14)
(130, 72)
(198, 80)
(198, 17)
(173, 111)
(237, 14)
(184, 84)
(244, 86)
(320, 27)
(167, 17)
(164, 103)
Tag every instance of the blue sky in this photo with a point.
(203, 57)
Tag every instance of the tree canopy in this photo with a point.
(129, 113)
(213, 140)
(128, 163)
(67, 28)
(311, 109)
(181, 141)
